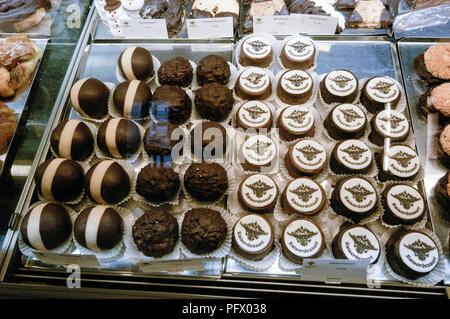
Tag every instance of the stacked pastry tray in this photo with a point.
(364, 56)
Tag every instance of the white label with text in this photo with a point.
(145, 29)
(335, 270)
(276, 25)
(208, 28)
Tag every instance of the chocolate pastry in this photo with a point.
(356, 242)
(253, 237)
(262, 8)
(98, 228)
(302, 238)
(20, 15)
(355, 198)
(207, 137)
(253, 84)
(370, 14)
(432, 66)
(7, 125)
(443, 146)
(345, 4)
(259, 153)
(157, 184)
(132, 99)
(176, 71)
(72, 139)
(107, 182)
(89, 97)
(155, 233)
(295, 122)
(388, 124)
(59, 179)
(442, 194)
(254, 115)
(308, 7)
(306, 157)
(303, 196)
(203, 230)
(403, 205)
(118, 138)
(258, 193)
(160, 138)
(411, 253)
(339, 86)
(46, 227)
(136, 63)
(378, 91)
(295, 87)
(213, 68)
(436, 99)
(298, 53)
(423, 4)
(172, 11)
(171, 103)
(256, 51)
(214, 101)
(346, 121)
(206, 182)
(403, 163)
(200, 14)
(351, 157)
(216, 9)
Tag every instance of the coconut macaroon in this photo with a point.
(440, 97)
(437, 60)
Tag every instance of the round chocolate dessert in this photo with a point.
(388, 124)
(171, 103)
(351, 157)
(295, 87)
(303, 196)
(339, 86)
(107, 182)
(253, 84)
(443, 146)
(355, 198)
(136, 63)
(253, 237)
(118, 138)
(155, 233)
(429, 66)
(356, 242)
(176, 71)
(73, 140)
(378, 91)
(298, 53)
(258, 193)
(403, 205)
(254, 115)
(259, 153)
(346, 121)
(132, 99)
(98, 228)
(208, 140)
(436, 99)
(213, 68)
(206, 182)
(411, 253)
(160, 139)
(59, 179)
(305, 157)
(157, 184)
(442, 194)
(46, 227)
(302, 238)
(203, 230)
(90, 98)
(256, 51)
(403, 163)
(295, 122)
(214, 101)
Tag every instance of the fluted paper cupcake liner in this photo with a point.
(155, 83)
(236, 107)
(308, 103)
(270, 98)
(156, 65)
(111, 87)
(257, 265)
(231, 81)
(280, 46)
(269, 37)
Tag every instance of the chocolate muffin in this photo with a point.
(171, 103)
(160, 138)
(208, 140)
(155, 233)
(203, 230)
(403, 163)
(432, 66)
(436, 99)
(213, 68)
(378, 91)
(157, 184)
(403, 205)
(305, 157)
(388, 124)
(206, 182)
(351, 157)
(443, 146)
(176, 71)
(214, 101)
(442, 194)
(345, 121)
(339, 86)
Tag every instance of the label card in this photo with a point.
(316, 24)
(145, 29)
(173, 265)
(88, 261)
(277, 25)
(335, 271)
(210, 28)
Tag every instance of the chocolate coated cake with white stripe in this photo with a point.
(89, 97)
(118, 138)
(136, 63)
(132, 99)
(72, 139)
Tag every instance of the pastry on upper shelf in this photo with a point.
(423, 4)
(216, 9)
(433, 66)
(20, 15)
(443, 146)
(436, 99)
(172, 11)
(7, 125)
(263, 8)
(19, 57)
(309, 7)
(370, 14)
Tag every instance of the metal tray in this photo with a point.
(19, 102)
(408, 50)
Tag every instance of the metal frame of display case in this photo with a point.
(17, 280)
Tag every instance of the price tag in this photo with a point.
(277, 25)
(335, 270)
(88, 261)
(316, 24)
(208, 28)
(173, 265)
(145, 29)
